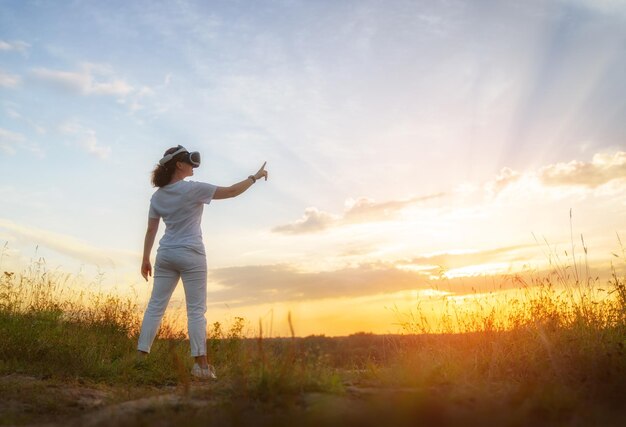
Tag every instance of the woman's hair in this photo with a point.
(162, 174)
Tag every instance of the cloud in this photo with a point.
(10, 140)
(17, 46)
(602, 169)
(256, 284)
(96, 80)
(15, 115)
(453, 260)
(134, 102)
(312, 221)
(12, 113)
(9, 80)
(505, 178)
(68, 245)
(86, 139)
(356, 211)
(91, 79)
(364, 209)
(259, 284)
(609, 7)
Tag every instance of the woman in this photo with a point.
(181, 250)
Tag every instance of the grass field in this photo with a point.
(553, 357)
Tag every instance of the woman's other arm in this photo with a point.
(238, 188)
(146, 267)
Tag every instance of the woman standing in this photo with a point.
(181, 250)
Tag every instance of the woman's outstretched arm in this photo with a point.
(146, 266)
(238, 188)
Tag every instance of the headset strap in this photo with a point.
(169, 157)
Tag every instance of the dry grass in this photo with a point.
(51, 331)
(552, 355)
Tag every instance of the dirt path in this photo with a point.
(115, 414)
(30, 401)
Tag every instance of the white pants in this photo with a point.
(170, 266)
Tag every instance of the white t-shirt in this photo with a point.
(180, 205)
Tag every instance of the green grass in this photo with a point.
(51, 333)
(555, 355)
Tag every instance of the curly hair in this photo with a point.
(162, 174)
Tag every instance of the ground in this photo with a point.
(27, 400)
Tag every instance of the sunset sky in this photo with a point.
(410, 145)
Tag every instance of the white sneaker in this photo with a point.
(207, 373)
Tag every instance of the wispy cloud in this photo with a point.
(9, 80)
(10, 140)
(452, 260)
(135, 101)
(90, 79)
(70, 246)
(356, 211)
(16, 115)
(364, 209)
(16, 46)
(86, 139)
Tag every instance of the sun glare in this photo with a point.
(488, 269)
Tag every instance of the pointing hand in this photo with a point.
(262, 173)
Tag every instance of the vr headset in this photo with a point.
(192, 158)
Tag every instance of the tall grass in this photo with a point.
(558, 343)
(51, 329)
(48, 328)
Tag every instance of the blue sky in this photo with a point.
(392, 130)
